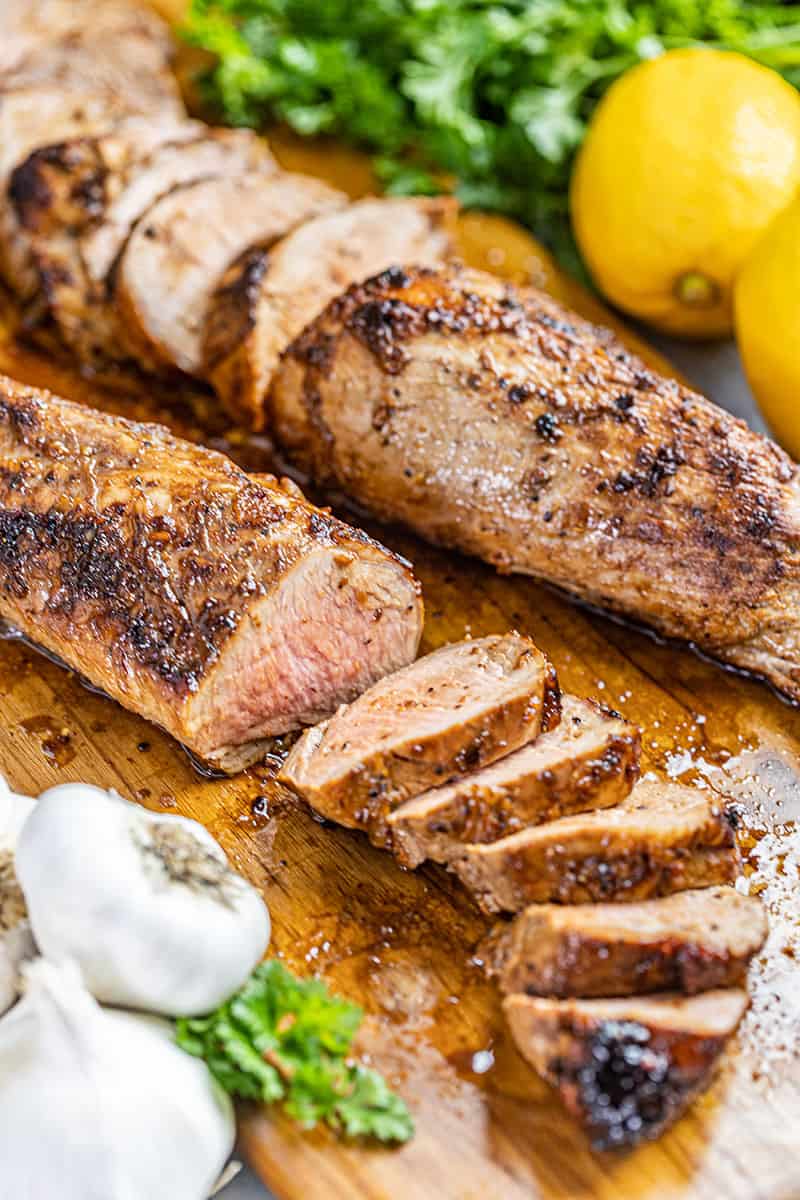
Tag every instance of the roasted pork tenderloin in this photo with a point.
(218, 605)
(178, 253)
(663, 838)
(689, 942)
(491, 420)
(626, 1068)
(268, 297)
(589, 761)
(463, 706)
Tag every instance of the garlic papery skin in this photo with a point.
(16, 941)
(145, 903)
(102, 1105)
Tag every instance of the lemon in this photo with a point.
(686, 161)
(767, 322)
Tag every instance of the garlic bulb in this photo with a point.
(146, 904)
(102, 1105)
(16, 942)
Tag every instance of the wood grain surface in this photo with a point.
(402, 943)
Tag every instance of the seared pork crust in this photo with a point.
(590, 760)
(218, 605)
(626, 1069)
(664, 838)
(494, 421)
(690, 942)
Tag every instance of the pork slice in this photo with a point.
(30, 25)
(454, 710)
(494, 421)
(689, 942)
(78, 201)
(177, 254)
(62, 188)
(266, 299)
(664, 838)
(626, 1068)
(222, 607)
(590, 760)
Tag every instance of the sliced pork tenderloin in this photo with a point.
(267, 298)
(664, 838)
(78, 201)
(463, 706)
(626, 1068)
(179, 251)
(77, 85)
(689, 942)
(590, 760)
(220, 606)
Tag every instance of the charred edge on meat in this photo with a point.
(628, 1088)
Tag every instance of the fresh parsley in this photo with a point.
(495, 94)
(280, 1038)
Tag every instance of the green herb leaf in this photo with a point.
(495, 93)
(284, 1038)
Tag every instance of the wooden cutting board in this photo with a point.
(401, 943)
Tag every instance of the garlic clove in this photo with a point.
(145, 903)
(102, 1105)
(16, 941)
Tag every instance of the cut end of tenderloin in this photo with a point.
(664, 838)
(450, 712)
(626, 1069)
(338, 622)
(589, 761)
(690, 942)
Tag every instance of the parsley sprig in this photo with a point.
(494, 93)
(280, 1038)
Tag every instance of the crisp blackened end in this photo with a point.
(626, 1090)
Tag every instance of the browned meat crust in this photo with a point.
(220, 606)
(457, 709)
(664, 838)
(626, 1069)
(690, 942)
(590, 760)
(494, 421)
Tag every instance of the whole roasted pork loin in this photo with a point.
(492, 420)
(216, 604)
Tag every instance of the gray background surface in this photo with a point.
(715, 371)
